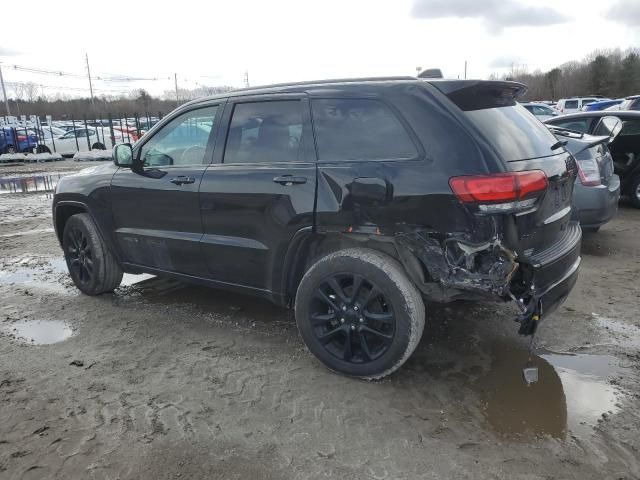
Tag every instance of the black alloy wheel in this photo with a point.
(359, 313)
(351, 318)
(80, 255)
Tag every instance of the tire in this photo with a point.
(334, 323)
(92, 266)
(634, 191)
(10, 149)
(43, 149)
(98, 146)
(590, 230)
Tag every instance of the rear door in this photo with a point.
(156, 212)
(625, 149)
(259, 191)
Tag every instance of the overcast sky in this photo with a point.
(214, 42)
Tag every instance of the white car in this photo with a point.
(574, 104)
(541, 111)
(76, 140)
(48, 132)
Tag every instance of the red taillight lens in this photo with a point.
(21, 138)
(499, 187)
(589, 172)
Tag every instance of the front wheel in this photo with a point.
(359, 314)
(634, 192)
(92, 266)
(98, 146)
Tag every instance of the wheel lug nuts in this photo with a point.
(361, 320)
(342, 320)
(344, 308)
(356, 308)
(353, 327)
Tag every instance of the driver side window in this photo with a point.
(183, 141)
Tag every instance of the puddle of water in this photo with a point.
(571, 395)
(131, 279)
(52, 274)
(33, 183)
(39, 332)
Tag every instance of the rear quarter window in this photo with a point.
(359, 129)
(571, 104)
(513, 132)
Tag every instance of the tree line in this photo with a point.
(610, 73)
(28, 101)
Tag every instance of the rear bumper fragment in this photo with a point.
(555, 271)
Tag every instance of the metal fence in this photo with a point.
(35, 134)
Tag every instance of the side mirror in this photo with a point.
(123, 155)
(609, 126)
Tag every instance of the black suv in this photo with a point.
(351, 200)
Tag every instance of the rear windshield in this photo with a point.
(514, 132)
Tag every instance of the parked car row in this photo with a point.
(624, 148)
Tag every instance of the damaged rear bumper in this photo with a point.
(456, 269)
(555, 272)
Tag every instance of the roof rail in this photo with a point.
(322, 82)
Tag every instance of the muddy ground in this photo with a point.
(162, 380)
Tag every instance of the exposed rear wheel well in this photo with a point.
(315, 246)
(64, 213)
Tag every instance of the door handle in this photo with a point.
(181, 180)
(290, 180)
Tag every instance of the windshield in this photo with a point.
(514, 132)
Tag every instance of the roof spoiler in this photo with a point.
(480, 94)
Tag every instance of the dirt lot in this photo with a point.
(162, 380)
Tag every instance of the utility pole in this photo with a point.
(93, 105)
(465, 69)
(4, 92)
(175, 78)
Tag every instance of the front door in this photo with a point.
(259, 191)
(156, 212)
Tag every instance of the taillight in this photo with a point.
(21, 138)
(589, 172)
(501, 192)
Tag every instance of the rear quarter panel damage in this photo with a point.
(449, 252)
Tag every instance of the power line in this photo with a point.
(40, 71)
(105, 77)
(56, 87)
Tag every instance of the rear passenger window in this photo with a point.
(359, 129)
(571, 104)
(265, 132)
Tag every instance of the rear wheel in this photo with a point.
(634, 191)
(92, 266)
(98, 146)
(10, 149)
(359, 314)
(42, 149)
